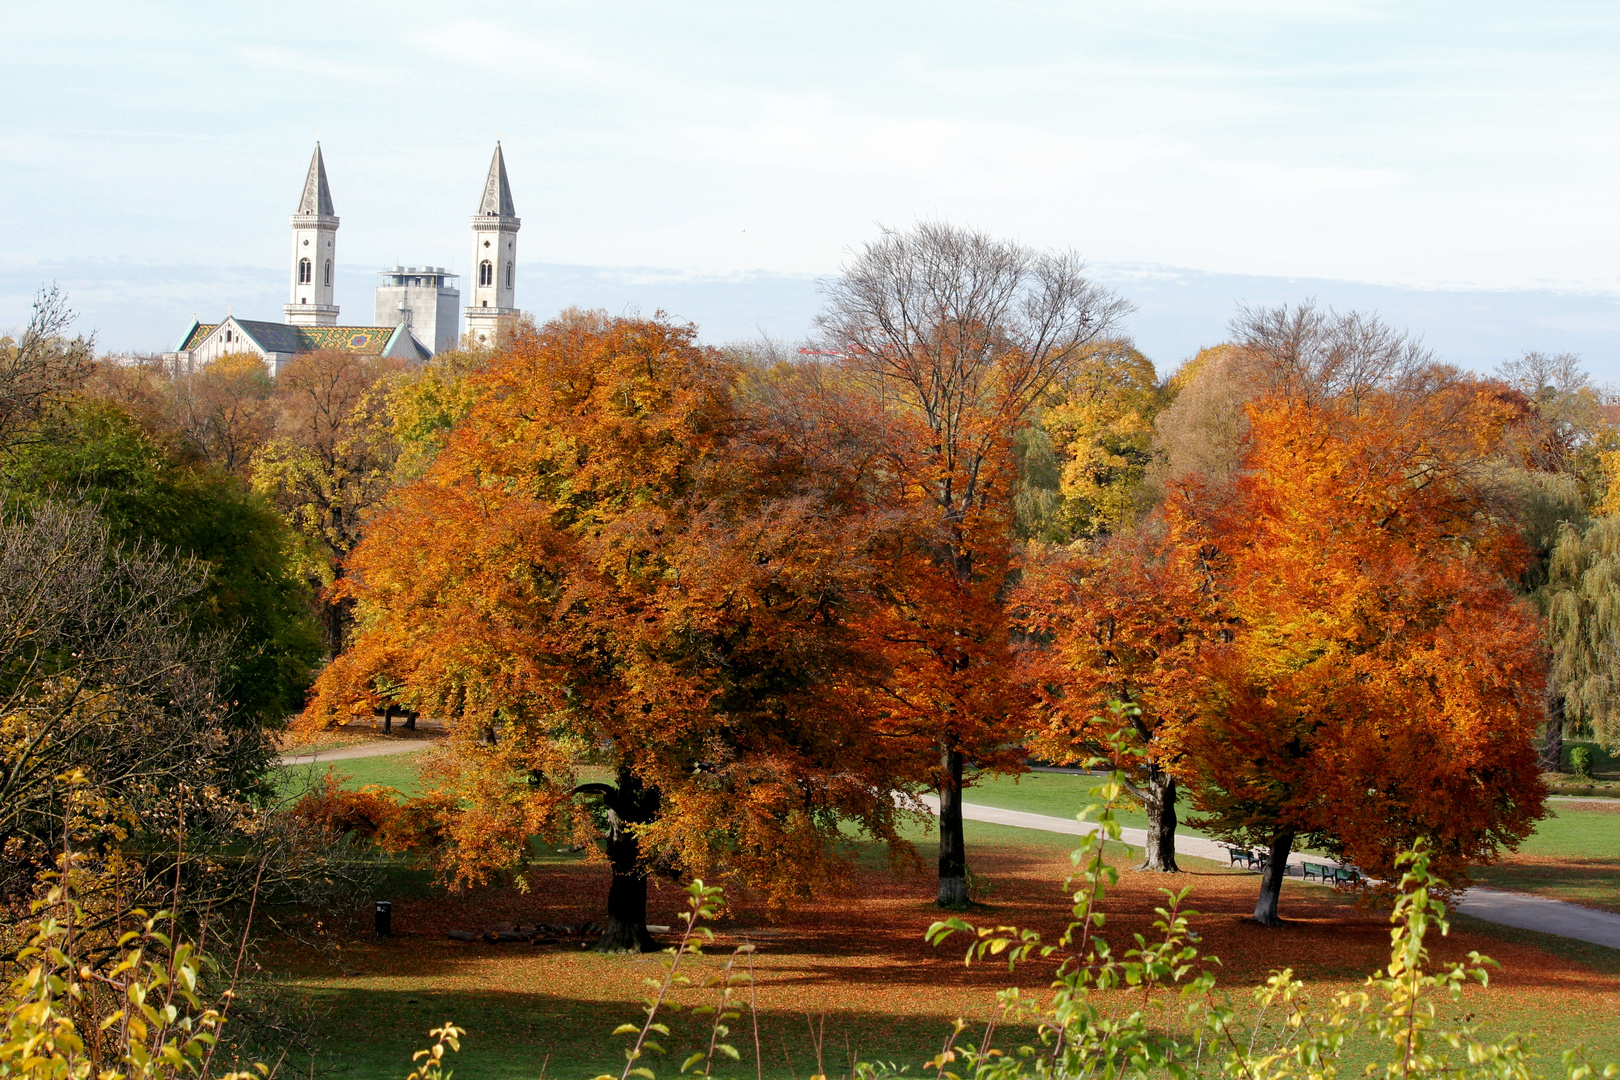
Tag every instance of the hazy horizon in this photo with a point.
(1450, 165)
(135, 309)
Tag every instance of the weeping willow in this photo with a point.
(1582, 602)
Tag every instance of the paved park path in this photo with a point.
(1519, 910)
(379, 748)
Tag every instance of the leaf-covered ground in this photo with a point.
(858, 959)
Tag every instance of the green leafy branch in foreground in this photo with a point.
(704, 902)
(1164, 1020)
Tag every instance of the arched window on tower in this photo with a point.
(508, 275)
(304, 273)
(486, 273)
(328, 271)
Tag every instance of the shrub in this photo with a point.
(366, 813)
(142, 1019)
(1580, 762)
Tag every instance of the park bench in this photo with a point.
(1254, 860)
(1330, 873)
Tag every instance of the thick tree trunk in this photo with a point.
(626, 908)
(952, 845)
(1265, 909)
(629, 804)
(1552, 739)
(1160, 853)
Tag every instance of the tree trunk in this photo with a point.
(626, 907)
(1160, 853)
(952, 845)
(629, 804)
(1552, 739)
(1271, 879)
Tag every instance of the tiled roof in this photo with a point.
(275, 337)
(198, 332)
(272, 336)
(366, 340)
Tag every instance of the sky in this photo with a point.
(1450, 165)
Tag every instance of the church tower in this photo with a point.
(315, 228)
(494, 264)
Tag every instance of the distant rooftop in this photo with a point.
(402, 275)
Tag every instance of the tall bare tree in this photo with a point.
(958, 334)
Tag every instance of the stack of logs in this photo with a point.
(530, 934)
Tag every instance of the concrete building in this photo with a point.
(424, 301)
(494, 265)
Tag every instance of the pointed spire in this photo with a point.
(497, 200)
(317, 197)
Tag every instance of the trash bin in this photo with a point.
(385, 917)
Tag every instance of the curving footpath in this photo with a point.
(380, 748)
(1519, 910)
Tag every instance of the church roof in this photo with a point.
(272, 337)
(195, 335)
(317, 197)
(497, 198)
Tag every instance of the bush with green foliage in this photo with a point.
(1580, 762)
(143, 1017)
(149, 494)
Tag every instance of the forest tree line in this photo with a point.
(1314, 587)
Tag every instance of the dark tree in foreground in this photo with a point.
(627, 807)
(105, 676)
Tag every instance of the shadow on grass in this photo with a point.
(512, 1035)
(1596, 957)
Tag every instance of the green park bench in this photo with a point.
(1330, 873)
(1254, 860)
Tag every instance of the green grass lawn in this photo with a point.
(397, 771)
(1054, 794)
(1574, 854)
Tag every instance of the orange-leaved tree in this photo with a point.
(613, 562)
(956, 336)
(1126, 621)
(1383, 679)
